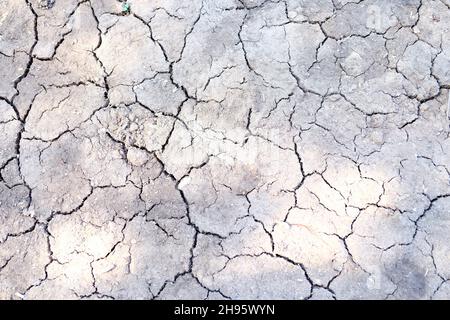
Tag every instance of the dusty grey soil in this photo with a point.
(210, 149)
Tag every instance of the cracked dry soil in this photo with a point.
(206, 149)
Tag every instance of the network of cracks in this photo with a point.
(224, 149)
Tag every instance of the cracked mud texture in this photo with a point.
(229, 149)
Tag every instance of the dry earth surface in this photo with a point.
(224, 149)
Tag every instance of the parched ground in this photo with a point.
(206, 149)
